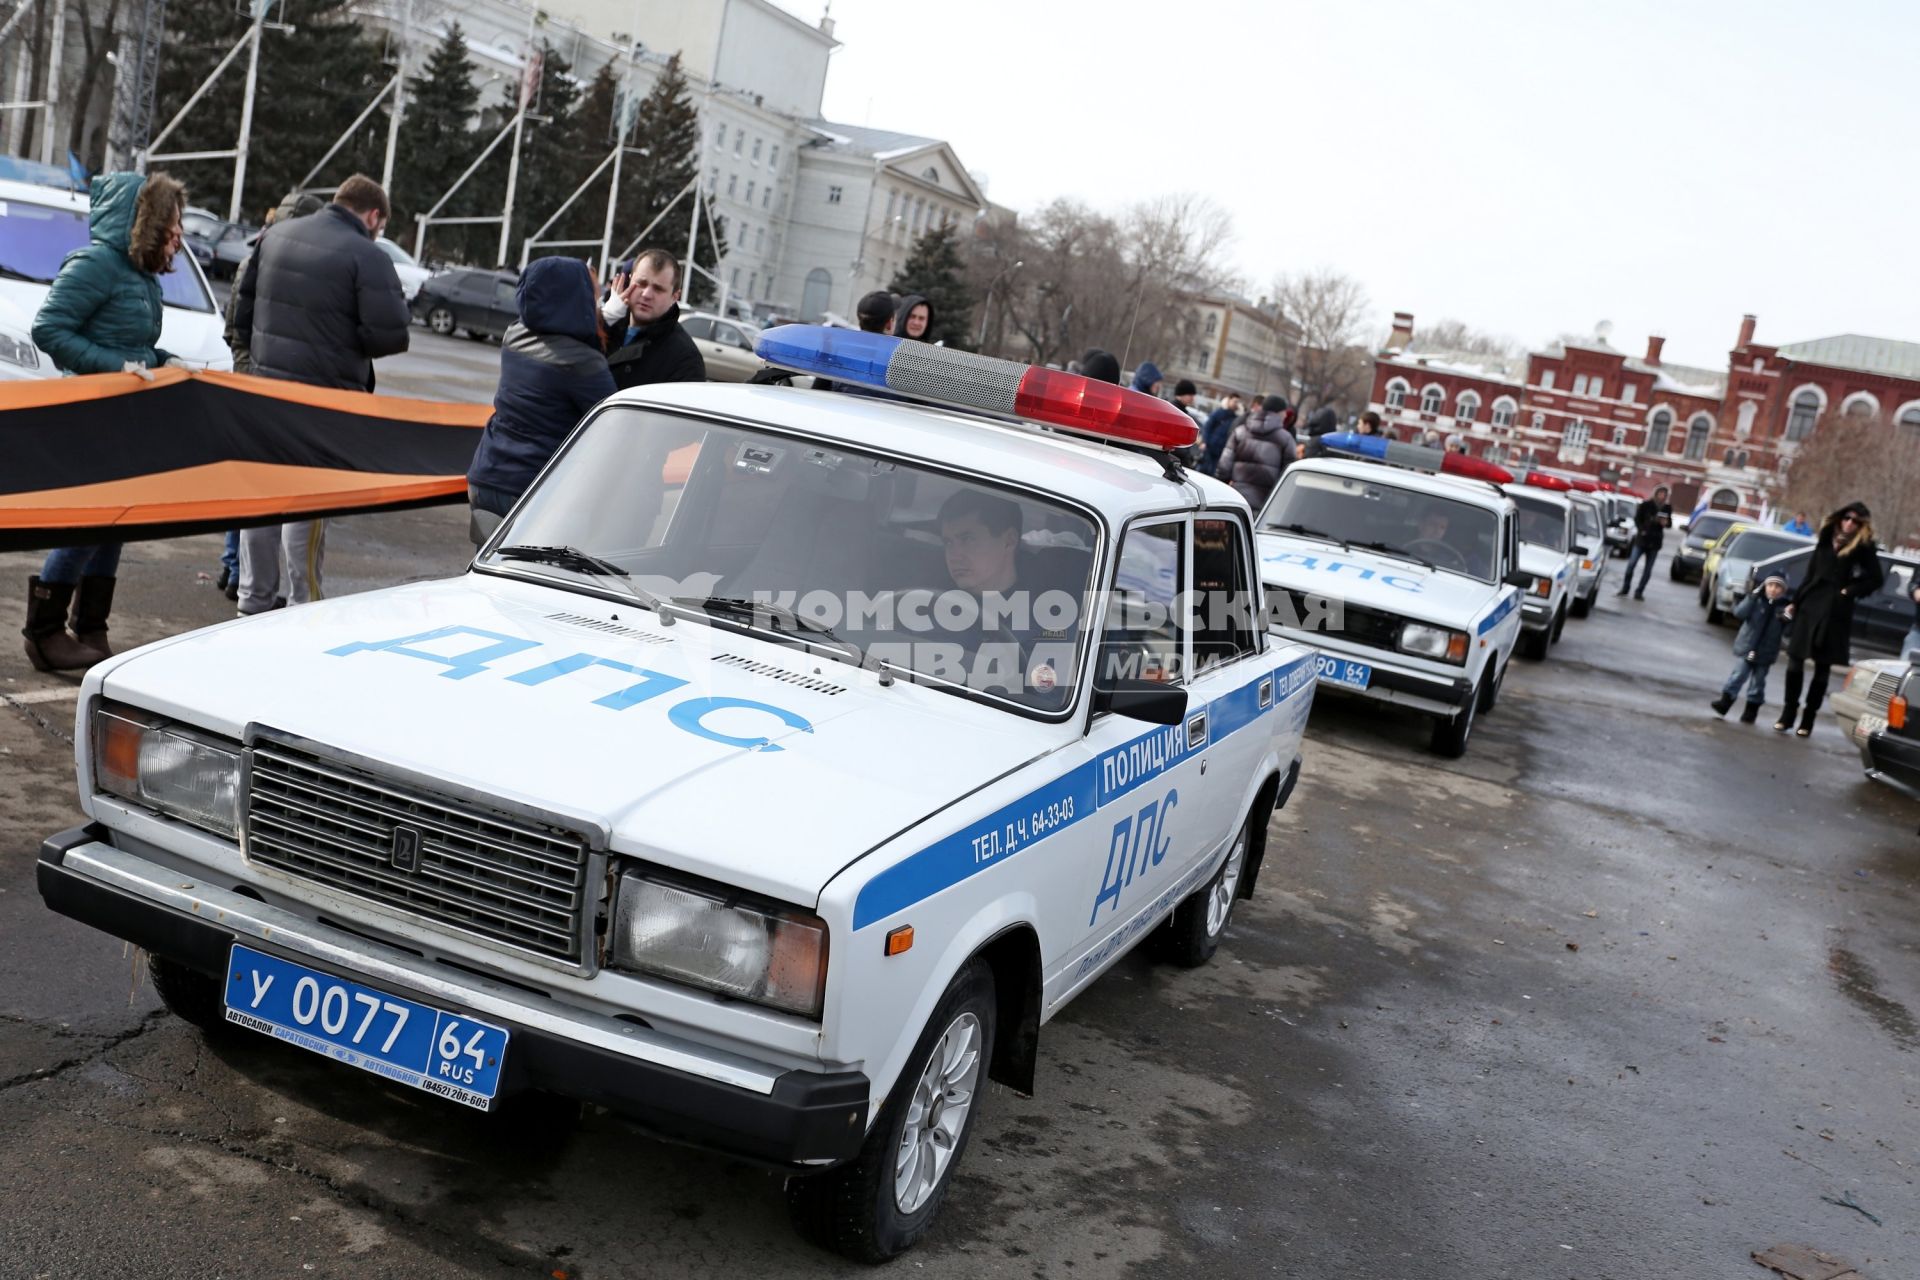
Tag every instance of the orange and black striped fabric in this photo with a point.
(111, 457)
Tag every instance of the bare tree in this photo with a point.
(1859, 457)
(1329, 310)
(1457, 335)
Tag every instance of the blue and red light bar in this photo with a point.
(1417, 457)
(1084, 406)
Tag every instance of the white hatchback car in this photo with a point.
(1399, 577)
(785, 760)
(39, 226)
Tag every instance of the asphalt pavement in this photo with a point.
(1629, 991)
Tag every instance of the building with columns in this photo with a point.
(1580, 405)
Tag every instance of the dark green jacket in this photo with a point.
(103, 311)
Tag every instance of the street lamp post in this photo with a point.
(986, 307)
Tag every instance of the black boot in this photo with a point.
(49, 647)
(1806, 721)
(1722, 704)
(1751, 714)
(91, 605)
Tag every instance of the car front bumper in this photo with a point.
(1399, 685)
(678, 1090)
(1894, 760)
(1536, 614)
(1687, 565)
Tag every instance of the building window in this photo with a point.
(756, 151)
(759, 239)
(1861, 404)
(1580, 384)
(773, 156)
(734, 281)
(1573, 442)
(1909, 415)
(1546, 380)
(833, 195)
(1397, 393)
(1503, 411)
(753, 283)
(733, 180)
(713, 183)
(1657, 427)
(1467, 407)
(739, 140)
(1628, 392)
(1698, 430)
(892, 198)
(766, 196)
(1432, 400)
(1806, 411)
(815, 294)
(1539, 420)
(749, 190)
(1213, 324)
(720, 138)
(1619, 435)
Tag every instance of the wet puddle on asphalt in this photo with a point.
(1858, 983)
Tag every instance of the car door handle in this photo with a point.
(1196, 731)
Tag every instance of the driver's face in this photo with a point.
(1433, 525)
(977, 558)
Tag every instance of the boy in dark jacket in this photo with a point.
(1763, 622)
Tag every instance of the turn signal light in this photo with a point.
(899, 940)
(1457, 647)
(1897, 714)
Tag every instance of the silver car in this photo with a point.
(1721, 590)
(726, 345)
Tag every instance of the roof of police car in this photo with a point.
(1536, 491)
(1462, 488)
(1109, 479)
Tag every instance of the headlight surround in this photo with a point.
(181, 772)
(1433, 642)
(19, 351)
(1543, 587)
(723, 943)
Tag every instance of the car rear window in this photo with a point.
(34, 238)
(1754, 545)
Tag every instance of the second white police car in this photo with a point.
(1403, 576)
(1550, 556)
(783, 762)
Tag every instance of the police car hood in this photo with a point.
(1368, 578)
(702, 749)
(1542, 562)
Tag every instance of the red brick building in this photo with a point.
(1725, 435)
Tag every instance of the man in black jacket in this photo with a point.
(322, 303)
(645, 343)
(1650, 521)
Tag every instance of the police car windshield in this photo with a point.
(1440, 531)
(1542, 523)
(960, 583)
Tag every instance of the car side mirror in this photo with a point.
(1519, 578)
(1147, 700)
(1582, 551)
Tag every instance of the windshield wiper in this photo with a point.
(1385, 549)
(739, 608)
(1305, 532)
(583, 562)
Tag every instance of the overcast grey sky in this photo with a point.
(1528, 166)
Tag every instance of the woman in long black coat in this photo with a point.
(1845, 567)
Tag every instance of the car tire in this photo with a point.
(1490, 686)
(1192, 933)
(1450, 734)
(477, 335)
(1715, 615)
(856, 1210)
(1673, 571)
(1583, 606)
(440, 320)
(1559, 625)
(189, 994)
(1533, 644)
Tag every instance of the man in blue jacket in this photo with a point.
(1219, 425)
(551, 372)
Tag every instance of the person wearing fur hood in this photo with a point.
(1845, 566)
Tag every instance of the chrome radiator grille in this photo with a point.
(508, 881)
(1880, 694)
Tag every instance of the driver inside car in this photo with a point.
(1008, 644)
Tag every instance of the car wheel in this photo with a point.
(1490, 688)
(883, 1201)
(1533, 644)
(1450, 735)
(1583, 606)
(1559, 625)
(189, 994)
(440, 320)
(1715, 616)
(1673, 571)
(1192, 934)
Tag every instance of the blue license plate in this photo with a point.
(449, 1054)
(1344, 672)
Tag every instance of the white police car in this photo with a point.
(1548, 555)
(1398, 576)
(782, 763)
(1590, 548)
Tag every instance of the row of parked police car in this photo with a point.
(787, 758)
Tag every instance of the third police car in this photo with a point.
(1402, 578)
(1549, 555)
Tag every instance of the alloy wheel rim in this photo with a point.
(1220, 897)
(937, 1114)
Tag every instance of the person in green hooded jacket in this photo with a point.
(102, 315)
